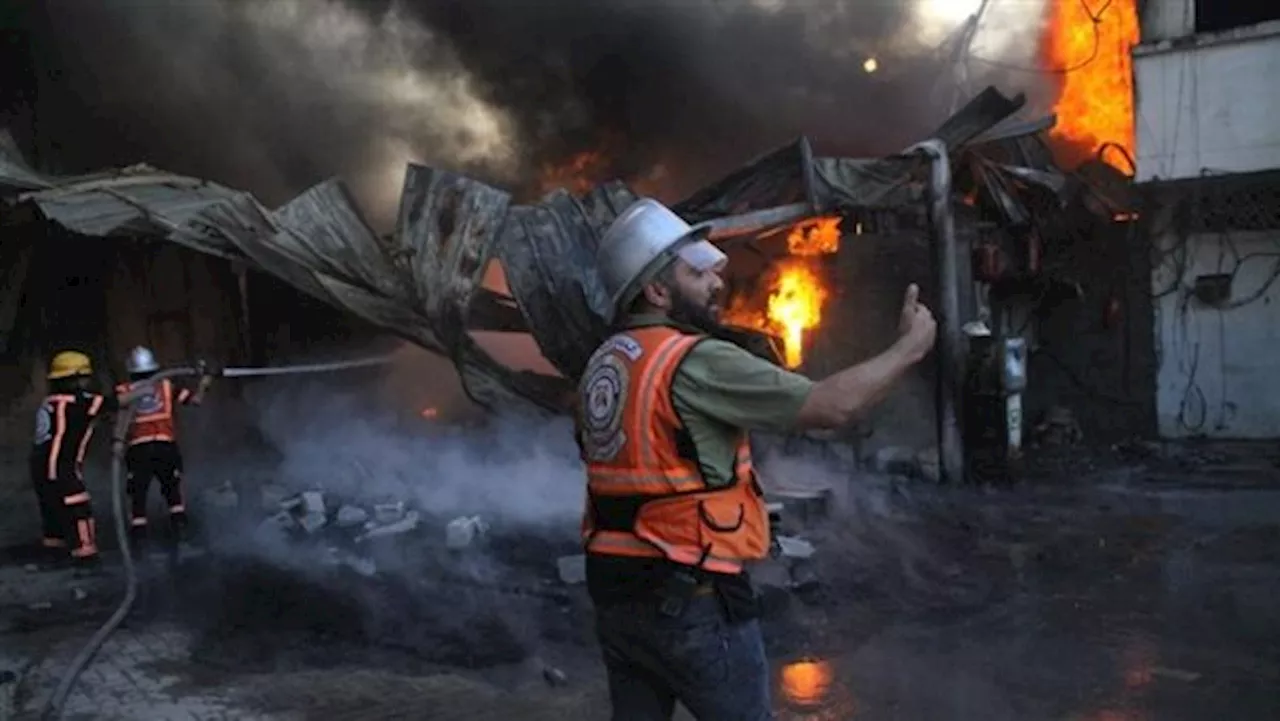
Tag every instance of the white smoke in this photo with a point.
(371, 443)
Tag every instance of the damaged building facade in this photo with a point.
(1209, 165)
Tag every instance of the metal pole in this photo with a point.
(950, 362)
(759, 220)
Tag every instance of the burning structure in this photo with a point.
(810, 236)
(427, 282)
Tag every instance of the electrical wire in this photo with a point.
(54, 707)
(1094, 16)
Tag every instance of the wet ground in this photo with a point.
(1143, 589)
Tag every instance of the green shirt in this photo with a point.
(719, 390)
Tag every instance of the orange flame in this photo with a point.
(796, 292)
(578, 175)
(819, 236)
(806, 683)
(1090, 41)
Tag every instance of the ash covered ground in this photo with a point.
(1136, 585)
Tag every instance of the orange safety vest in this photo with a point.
(154, 416)
(646, 496)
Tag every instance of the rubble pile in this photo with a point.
(316, 529)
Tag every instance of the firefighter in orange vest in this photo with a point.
(674, 513)
(153, 444)
(65, 422)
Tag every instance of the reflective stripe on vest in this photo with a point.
(628, 429)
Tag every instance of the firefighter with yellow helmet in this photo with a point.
(674, 513)
(65, 422)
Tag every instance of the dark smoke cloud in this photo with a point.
(274, 95)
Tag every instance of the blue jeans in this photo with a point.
(716, 669)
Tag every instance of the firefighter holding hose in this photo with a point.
(65, 422)
(674, 512)
(153, 451)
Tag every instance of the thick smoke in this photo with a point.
(368, 440)
(272, 96)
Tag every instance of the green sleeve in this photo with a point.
(723, 382)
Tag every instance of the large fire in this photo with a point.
(796, 291)
(1089, 42)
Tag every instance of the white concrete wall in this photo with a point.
(1168, 19)
(1219, 372)
(1208, 103)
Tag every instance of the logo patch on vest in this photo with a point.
(150, 403)
(626, 345)
(44, 423)
(603, 399)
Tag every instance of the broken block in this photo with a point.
(388, 512)
(404, 525)
(351, 516)
(313, 501)
(793, 547)
(312, 522)
(462, 532)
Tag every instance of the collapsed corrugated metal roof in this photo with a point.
(425, 282)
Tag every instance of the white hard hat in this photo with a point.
(645, 236)
(142, 360)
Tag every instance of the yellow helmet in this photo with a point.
(69, 363)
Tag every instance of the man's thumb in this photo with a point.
(913, 295)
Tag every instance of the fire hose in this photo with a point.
(53, 708)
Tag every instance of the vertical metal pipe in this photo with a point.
(950, 345)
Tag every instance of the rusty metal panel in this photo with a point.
(444, 239)
(323, 231)
(548, 252)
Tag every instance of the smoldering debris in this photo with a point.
(387, 574)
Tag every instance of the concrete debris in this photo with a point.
(389, 512)
(463, 531)
(312, 522)
(79, 594)
(349, 516)
(313, 501)
(291, 504)
(793, 547)
(572, 569)
(404, 525)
